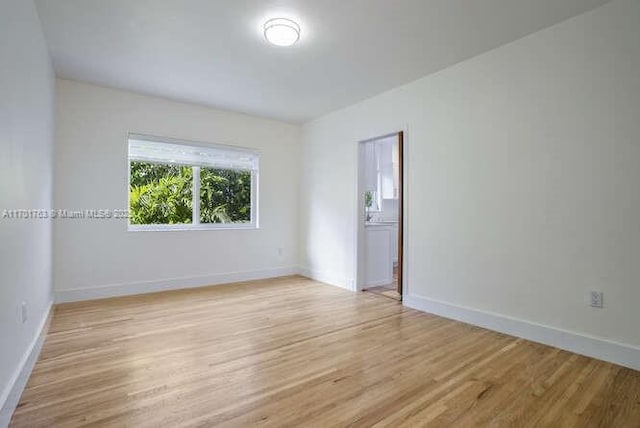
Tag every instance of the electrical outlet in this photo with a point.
(596, 299)
(23, 311)
(280, 252)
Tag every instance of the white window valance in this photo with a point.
(145, 148)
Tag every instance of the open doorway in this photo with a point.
(380, 217)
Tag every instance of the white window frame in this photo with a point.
(195, 225)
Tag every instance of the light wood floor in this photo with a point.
(294, 352)
(386, 291)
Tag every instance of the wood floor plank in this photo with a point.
(295, 352)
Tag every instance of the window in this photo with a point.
(175, 185)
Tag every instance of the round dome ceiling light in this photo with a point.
(281, 31)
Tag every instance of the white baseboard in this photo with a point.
(142, 287)
(13, 391)
(617, 353)
(377, 283)
(327, 278)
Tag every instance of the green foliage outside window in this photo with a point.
(225, 196)
(163, 194)
(160, 194)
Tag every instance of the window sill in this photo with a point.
(188, 227)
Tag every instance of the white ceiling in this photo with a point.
(212, 52)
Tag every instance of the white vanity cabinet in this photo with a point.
(394, 243)
(379, 253)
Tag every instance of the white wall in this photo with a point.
(26, 143)
(523, 178)
(100, 257)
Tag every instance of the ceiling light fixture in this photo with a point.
(281, 31)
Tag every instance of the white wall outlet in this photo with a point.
(280, 251)
(596, 299)
(23, 312)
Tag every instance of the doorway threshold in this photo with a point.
(387, 291)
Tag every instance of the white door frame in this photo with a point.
(359, 256)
